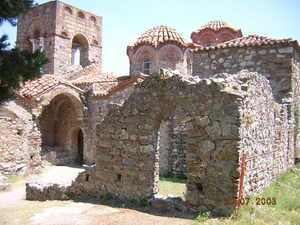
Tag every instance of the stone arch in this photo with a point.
(81, 15)
(62, 114)
(36, 33)
(170, 57)
(144, 60)
(68, 10)
(80, 50)
(131, 141)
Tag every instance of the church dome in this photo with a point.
(215, 32)
(159, 35)
(214, 25)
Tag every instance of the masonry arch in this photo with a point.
(144, 60)
(131, 144)
(170, 57)
(62, 114)
(80, 50)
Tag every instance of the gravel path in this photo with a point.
(14, 209)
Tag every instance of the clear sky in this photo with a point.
(125, 20)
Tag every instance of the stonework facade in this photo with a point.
(192, 109)
(61, 30)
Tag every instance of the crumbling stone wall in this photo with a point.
(20, 140)
(278, 63)
(215, 115)
(98, 107)
(224, 118)
(296, 100)
(264, 132)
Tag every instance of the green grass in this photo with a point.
(286, 211)
(174, 186)
(12, 179)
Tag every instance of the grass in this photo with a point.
(172, 185)
(286, 211)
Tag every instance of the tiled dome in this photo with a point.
(159, 35)
(215, 25)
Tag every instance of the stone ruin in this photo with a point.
(202, 107)
(221, 119)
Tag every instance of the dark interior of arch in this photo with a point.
(56, 122)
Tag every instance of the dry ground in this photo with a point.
(15, 210)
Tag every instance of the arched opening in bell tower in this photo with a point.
(80, 50)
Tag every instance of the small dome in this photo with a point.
(215, 32)
(215, 25)
(156, 36)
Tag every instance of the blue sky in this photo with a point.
(125, 20)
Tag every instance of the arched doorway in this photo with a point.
(78, 145)
(56, 121)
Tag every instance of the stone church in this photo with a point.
(190, 108)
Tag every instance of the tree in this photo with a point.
(16, 65)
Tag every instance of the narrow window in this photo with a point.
(80, 48)
(147, 66)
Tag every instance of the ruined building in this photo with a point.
(228, 96)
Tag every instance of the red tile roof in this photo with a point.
(93, 69)
(94, 78)
(156, 36)
(119, 86)
(215, 25)
(36, 87)
(251, 40)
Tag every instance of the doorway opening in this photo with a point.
(80, 147)
(169, 184)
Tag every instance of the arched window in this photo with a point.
(147, 66)
(68, 10)
(81, 15)
(80, 49)
(93, 19)
(36, 33)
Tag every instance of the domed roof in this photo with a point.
(215, 25)
(156, 36)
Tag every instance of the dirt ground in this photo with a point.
(15, 210)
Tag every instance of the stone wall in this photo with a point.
(20, 140)
(128, 155)
(264, 132)
(172, 152)
(220, 119)
(274, 62)
(98, 107)
(296, 88)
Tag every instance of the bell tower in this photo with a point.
(67, 34)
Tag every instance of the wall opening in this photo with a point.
(80, 50)
(57, 119)
(169, 183)
(147, 66)
(80, 147)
